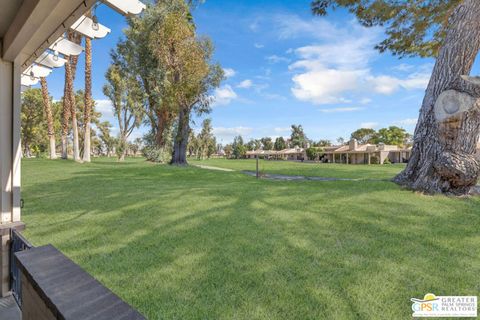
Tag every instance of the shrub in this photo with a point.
(314, 152)
(160, 155)
(374, 160)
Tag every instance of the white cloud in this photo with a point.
(337, 66)
(224, 95)
(324, 86)
(276, 59)
(104, 106)
(292, 26)
(229, 72)
(282, 130)
(254, 25)
(259, 45)
(274, 96)
(407, 122)
(369, 125)
(344, 109)
(388, 84)
(340, 65)
(404, 67)
(227, 134)
(365, 101)
(245, 84)
(384, 84)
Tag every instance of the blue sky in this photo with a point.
(286, 67)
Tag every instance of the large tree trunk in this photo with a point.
(164, 118)
(443, 157)
(179, 156)
(88, 99)
(49, 116)
(123, 146)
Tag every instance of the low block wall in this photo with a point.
(54, 287)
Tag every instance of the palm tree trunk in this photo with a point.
(48, 113)
(69, 100)
(76, 38)
(65, 115)
(443, 155)
(88, 99)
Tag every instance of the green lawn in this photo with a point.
(326, 170)
(190, 243)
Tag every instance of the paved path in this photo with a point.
(212, 168)
(292, 178)
(285, 177)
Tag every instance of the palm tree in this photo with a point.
(48, 113)
(66, 110)
(69, 105)
(88, 99)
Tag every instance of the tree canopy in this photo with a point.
(364, 135)
(298, 137)
(413, 27)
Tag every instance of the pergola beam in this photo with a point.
(37, 25)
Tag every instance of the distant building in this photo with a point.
(353, 153)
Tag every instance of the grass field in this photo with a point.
(326, 170)
(190, 243)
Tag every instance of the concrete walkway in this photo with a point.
(212, 168)
(9, 309)
(293, 178)
(286, 177)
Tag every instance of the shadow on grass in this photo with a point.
(185, 243)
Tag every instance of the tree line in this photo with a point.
(298, 139)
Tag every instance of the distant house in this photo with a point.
(293, 154)
(353, 153)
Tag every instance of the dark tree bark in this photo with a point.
(87, 116)
(66, 112)
(180, 144)
(443, 156)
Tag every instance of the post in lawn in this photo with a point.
(257, 166)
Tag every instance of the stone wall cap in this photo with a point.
(68, 290)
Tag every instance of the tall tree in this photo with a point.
(49, 117)
(280, 144)
(206, 140)
(228, 149)
(69, 110)
(267, 143)
(127, 101)
(392, 135)
(238, 148)
(298, 137)
(106, 138)
(443, 156)
(253, 144)
(189, 74)
(33, 127)
(138, 56)
(323, 143)
(88, 100)
(364, 135)
(65, 114)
